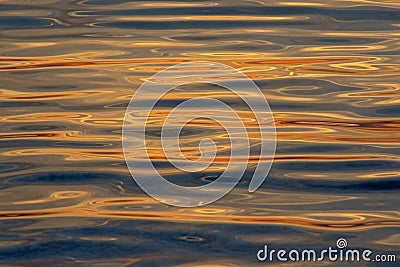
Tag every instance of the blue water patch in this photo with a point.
(21, 22)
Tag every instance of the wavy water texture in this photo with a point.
(329, 69)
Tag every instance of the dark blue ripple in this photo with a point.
(20, 22)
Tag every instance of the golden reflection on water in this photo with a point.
(329, 70)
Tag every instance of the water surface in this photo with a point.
(329, 69)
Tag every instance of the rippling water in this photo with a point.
(329, 69)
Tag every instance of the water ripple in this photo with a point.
(329, 70)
